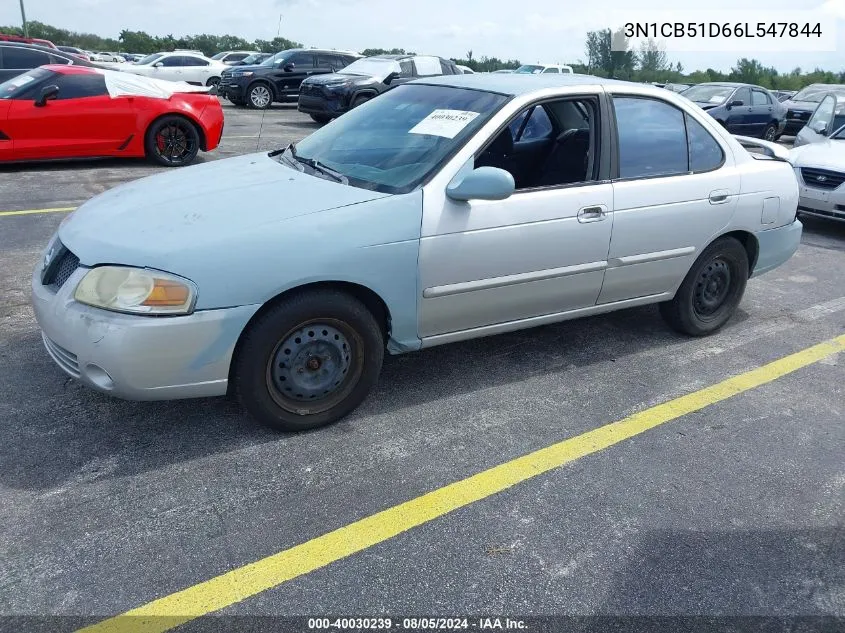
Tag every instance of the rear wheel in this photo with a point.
(259, 96)
(770, 133)
(213, 82)
(711, 291)
(321, 118)
(309, 360)
(172, 141)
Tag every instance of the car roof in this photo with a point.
(46, 49)
(514, 84)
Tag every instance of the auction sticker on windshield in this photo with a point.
(445, 123)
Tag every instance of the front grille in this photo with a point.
(64, 359)
(60, 270)
(309, 89)
(797, 114)
(822, 178)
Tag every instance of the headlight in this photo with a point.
(245, 73)
(136, 290)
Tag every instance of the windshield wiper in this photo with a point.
(313, 163)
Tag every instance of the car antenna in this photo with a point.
(264, 111)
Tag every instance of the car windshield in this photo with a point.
(373, 67)
(13, 87)
(149, 59)
(394, 142)
(708, 94)
(528, 69)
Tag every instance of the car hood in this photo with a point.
(803, 106)
(241, 68)
(706, 105)
(826, 154)
(150, 221)
(334, 78)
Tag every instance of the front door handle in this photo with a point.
(720, 196)
(594, 213)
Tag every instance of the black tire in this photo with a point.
(711, 291)
(360, 99)
(237, 102)
(172, 141)
(770, 133)
(305, 346)
(322, 119)
(259, 96)
(213, 82)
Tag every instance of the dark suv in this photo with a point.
(330, 96)
(277, 78)
(16, 59)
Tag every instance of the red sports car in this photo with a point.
(56, 112)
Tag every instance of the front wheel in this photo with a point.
(360, 99)
(309, 360)
(259, 97)
(321, 118)
(711, 291)
(172, 141)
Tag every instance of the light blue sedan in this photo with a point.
(446, 209)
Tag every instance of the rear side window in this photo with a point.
(427, 66)
(652, 138)
(55, 59)
(446, 68)
(705, 154)
(758, 98)
(23, 58)
(407, 68)
(552, 70)
(193, 61)
(300, 60)
(81, 86)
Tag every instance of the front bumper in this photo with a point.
(332, 106)
(822, 204)
(230, 88)
(777, 246)
(138, 357)
(794, 125)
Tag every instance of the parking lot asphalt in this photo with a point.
(733, 509)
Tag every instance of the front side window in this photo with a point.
(150, 59)
(393, 143)
(744, 95)
(172, 61)
(301, 60)
(81, 86)
(652, 138)
(537, 126)
(427, 66)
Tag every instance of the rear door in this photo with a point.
(195, 70)
(170, 69)
(83, 120)
(676, 187)
(762, 111)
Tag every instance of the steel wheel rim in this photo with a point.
(712, 288)
(770, 134)
(174, 143)
(260, 96)
(314, 366)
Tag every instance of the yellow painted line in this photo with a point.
(238, 584)
(37, 211)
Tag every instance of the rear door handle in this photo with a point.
(720, 196)
(594, 213)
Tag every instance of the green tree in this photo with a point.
(652, 62)
(609, 54)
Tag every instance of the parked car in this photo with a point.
(502, 71)
(801, 106)
(826, 119)
(78, 52)
(60, 112)
(254, 59)
(741, 108)
(539, 69)
(233, 57)
(400, 230)
(7, 37)
(820, 164)
(188, 67)
(277, 78)
(783, 95)
(465, 69)
(16, 59)
(329, 96)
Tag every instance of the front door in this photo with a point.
(542, 251)
(738, 116)
(676, 188)
(292, 72)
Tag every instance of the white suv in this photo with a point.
(179, 66)
(536, 69)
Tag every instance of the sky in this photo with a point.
(545, 31)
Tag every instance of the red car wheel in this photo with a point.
(172, 141)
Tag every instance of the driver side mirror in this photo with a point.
(819, 127)
(289, 67)
(46, 94)
(736, 102)
(158, 64)
(483, 183)
(391, 78)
